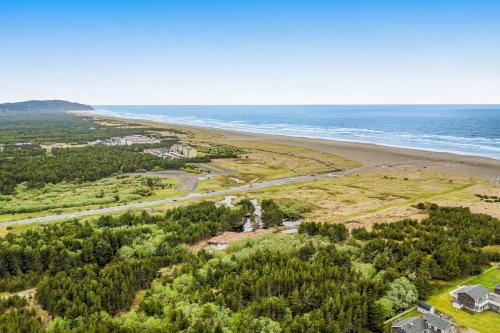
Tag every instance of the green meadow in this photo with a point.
(70, 196)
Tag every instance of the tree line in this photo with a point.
(51, 127)
(81, 164)
(321, 280)
(446, 245)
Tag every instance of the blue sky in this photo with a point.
(250, 52)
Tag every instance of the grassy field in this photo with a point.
(363, 198)
(218, 182)
(485, 322)
(271, 161)
(376, 196)
(358, 199)
(65, 197)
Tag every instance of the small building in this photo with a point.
(423, 307)
(475, 299)
(426, 323)
(184, 150)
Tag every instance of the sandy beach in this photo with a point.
(376, 155)
(370, 155)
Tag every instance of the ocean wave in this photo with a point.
(478, 146)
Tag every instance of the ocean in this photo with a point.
(460, 129)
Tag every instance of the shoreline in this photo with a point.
(368, 154)
(467, 146)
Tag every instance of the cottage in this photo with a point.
(427, 323)
(475, 299)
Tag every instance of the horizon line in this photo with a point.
(298, 104)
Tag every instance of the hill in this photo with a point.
(43, 106)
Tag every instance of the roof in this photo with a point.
(411, 325)
(497, 286)
(476, 291)
(436, 321)
(425, 306)
(418, 324)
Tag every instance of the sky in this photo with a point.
(251, 52)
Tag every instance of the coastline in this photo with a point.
(368, 154)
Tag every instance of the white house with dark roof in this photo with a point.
(426, 323)
(476, 298)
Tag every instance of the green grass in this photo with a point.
(67, 197)
(218, 182)
(485, 322)
(492, 249)
(16, 228)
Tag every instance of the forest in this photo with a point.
(80, 164)
(50, 127)
(324, 279)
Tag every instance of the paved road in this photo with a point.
(190, 196)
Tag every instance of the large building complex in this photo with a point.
(174, 152)
(126, 140)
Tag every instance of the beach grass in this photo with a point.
(298, 160)
(363, 198)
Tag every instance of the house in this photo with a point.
(426, 323)
(475, 299)
(423, 307)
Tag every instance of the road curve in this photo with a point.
(190, 196)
